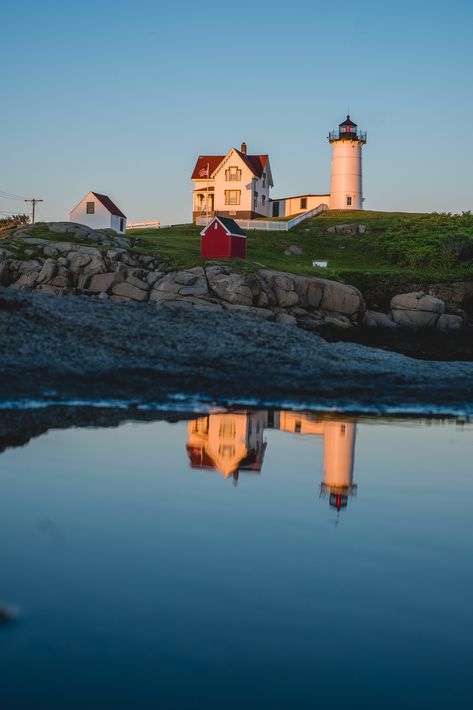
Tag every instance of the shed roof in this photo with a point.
(231, 226)
(108, 204)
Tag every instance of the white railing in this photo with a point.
(306, 215)
(144, 225)
(270, 225)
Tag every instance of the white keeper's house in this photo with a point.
(98, 212)
(232, 185)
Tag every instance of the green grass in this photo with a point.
(397, 250)
(181, 244)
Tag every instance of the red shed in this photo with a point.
(222, 238)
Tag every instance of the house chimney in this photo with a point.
(243, 148)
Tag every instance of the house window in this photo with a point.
(233, 174)
(348, 201)
(227, 428)
(122, 224)
(90, 209)
(303, 203)
(232, 197)
(263, 199)
(264, 179)
(226, 451)
(256, 199)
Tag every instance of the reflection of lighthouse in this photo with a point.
(346, 192)
(339, 453)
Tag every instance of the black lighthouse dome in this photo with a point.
(347, 127)
(347, 131)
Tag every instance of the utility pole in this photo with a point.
(34, 201)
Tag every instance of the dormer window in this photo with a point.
(233, 174)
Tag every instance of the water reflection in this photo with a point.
(99, 498)
(232, 442)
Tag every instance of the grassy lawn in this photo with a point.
(397, 248)
(364, 260)
(181, 244)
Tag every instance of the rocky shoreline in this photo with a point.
(110, 270)
(90, 351)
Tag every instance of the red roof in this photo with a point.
(256, 164)
(109, 205)
(213, 161)
(199, 457)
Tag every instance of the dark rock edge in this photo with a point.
(83, 350)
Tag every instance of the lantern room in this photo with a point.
(347, 128)
(347, 131)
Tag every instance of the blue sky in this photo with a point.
(120, 97)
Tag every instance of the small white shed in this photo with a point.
(98, 212)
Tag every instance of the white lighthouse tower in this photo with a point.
(339, 454)
(346, 191)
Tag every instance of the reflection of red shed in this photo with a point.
(222, 238)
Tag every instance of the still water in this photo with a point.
(264, 559)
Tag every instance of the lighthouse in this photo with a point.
(346, 191)
(339, 454)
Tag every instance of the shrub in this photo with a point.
(440, 241)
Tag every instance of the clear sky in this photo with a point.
(120, 97)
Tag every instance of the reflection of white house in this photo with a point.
(99, 212)
(232, 185)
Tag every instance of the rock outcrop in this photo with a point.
(111, 270)
(108, 267)
(350, 228)
(420, 311)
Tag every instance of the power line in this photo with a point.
(10, 195)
